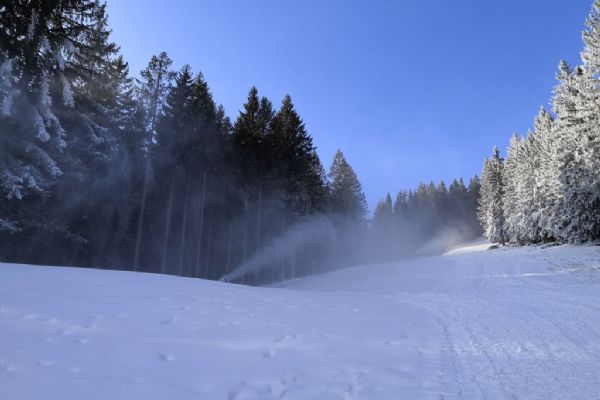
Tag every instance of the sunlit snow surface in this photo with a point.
(493, 324)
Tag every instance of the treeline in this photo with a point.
(548, 188)
(428, 219)
(100, 169)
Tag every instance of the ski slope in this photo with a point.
(472, 324)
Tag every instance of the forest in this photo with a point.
(104, 169)
(101, 167)
(547, 189)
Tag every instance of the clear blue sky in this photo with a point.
(409, 90)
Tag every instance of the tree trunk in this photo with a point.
(258, 227)
(282, 261)
(228, 263)
(208, 248)
(163, 263)
(200, 226)
(246, 229)
(147, 165)
(123, 222)
(183, 230)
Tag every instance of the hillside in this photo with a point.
(475, 323)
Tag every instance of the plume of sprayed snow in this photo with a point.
(443, 241)
(309, 231)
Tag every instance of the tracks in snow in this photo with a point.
(512, 338)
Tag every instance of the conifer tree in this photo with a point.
(43, 73)
(513, 190)
(57, 125)
(153, 89)
(546, 176)
(383, 215)
(579, 157)
(174, 134)
(577, 108)
(251, 128)
(347, 197)
(294, 160)
(491, 209)
(473, 195)
(591, 38)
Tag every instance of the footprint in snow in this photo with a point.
(269, 353)
(46, 363)
(282, 338)
(166, 357)
(5, 366)
(170, 321)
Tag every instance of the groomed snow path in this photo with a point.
(473, 324)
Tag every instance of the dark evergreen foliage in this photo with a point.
(100, 169)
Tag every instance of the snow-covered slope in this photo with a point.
(497, 324)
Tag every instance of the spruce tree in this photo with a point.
(577, 108)
(251, 128)
(474, 193)
(347, 197)
(152, 91)
(546, 176)
(47, 63)
(491, 209)
(294, 161)
(174, 133)
(513, 191)
(383, 215)
(591, 38)
(58, 130)
(579, 159)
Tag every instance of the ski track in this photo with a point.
(474, 324)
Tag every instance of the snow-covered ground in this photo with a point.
(473, 324)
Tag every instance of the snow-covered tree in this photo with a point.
(591, 38)
(491, 209)
(577, 105)
(548, 196)
(51, 56)
(512, 190)
(579, 156)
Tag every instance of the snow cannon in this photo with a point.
(224, 278)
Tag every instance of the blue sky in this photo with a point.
(410, 90)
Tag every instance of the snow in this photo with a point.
(473, 324)
(39, 126)
(480, 245)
